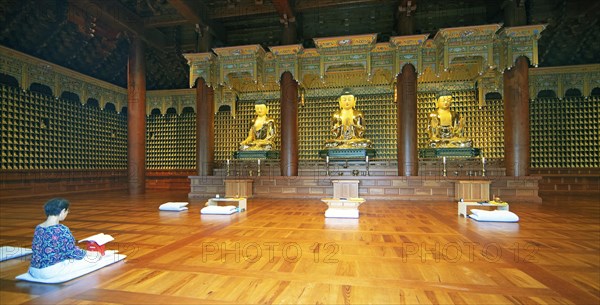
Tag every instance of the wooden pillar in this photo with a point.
(205, 130)
(136, 117)
(289, 33)
(515, 13)
(205, 40)
(406, 22)
(516, 119)
(289, 125)
(406, 122)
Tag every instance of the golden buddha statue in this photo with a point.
(446, 127)
(348, 125)
(262, 132)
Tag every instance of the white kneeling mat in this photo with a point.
(495, 215)
(219, 210)
(10, 252)
(341, 213)
(109, 258)
(173, 206)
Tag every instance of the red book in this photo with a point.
(97, 242)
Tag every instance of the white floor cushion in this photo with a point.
(341, 213)
(10, 252)
(496, 215)
(110, 258)
(173, 206)
(220, 210)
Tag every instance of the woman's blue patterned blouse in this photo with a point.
(52, 245)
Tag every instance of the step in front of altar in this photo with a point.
(522, 189)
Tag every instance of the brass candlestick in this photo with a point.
(444, 171)
(258, 170)
(483, 166)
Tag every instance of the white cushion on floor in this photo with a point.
(495, 215)
(10, 252)
(109, 258)
(173, 206)
(221, 210)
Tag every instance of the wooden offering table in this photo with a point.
(342, 207)
(345, 201)
(472, 190)
(238, 188)
(463, 205)
(239, 202)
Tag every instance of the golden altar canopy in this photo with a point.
(454, 54)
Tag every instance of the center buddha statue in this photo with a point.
(262, 132)
(348, 125)
(446, 127)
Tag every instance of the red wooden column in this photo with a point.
(406, 122)
(205, 130)
(516, 119)
(136, 117)
(406, 22)
(289, 125)
(206, 40)
(289, 33)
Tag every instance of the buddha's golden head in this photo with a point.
(444, 102)
(347, 99)
(260, 107)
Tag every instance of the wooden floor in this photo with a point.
(286, 252)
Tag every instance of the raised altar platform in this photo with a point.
(449, 152)
(418, 188)
(256, 154)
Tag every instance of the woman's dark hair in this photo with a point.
(55, 205)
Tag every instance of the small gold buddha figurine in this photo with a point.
(446, 127)
(262, 132)
(348, 125)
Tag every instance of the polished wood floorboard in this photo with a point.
(286, 252)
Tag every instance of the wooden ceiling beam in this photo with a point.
(307, 5)
(241, 10)
(164, 21)
(195, 13)
(118, 17)
(285, 10)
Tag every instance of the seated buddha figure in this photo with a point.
(348, 125)
(262, 132)
(446, 127)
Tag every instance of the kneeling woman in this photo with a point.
(53, 246)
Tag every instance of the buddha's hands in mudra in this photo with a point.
(446, 127)
(262, 131)
(347, 125)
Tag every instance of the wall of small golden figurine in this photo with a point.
(44, 132)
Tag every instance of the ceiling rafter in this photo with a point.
(319, 4)
(117, 16)
(241, 11)
(301, 6)
(195, 12)
(164, 21)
